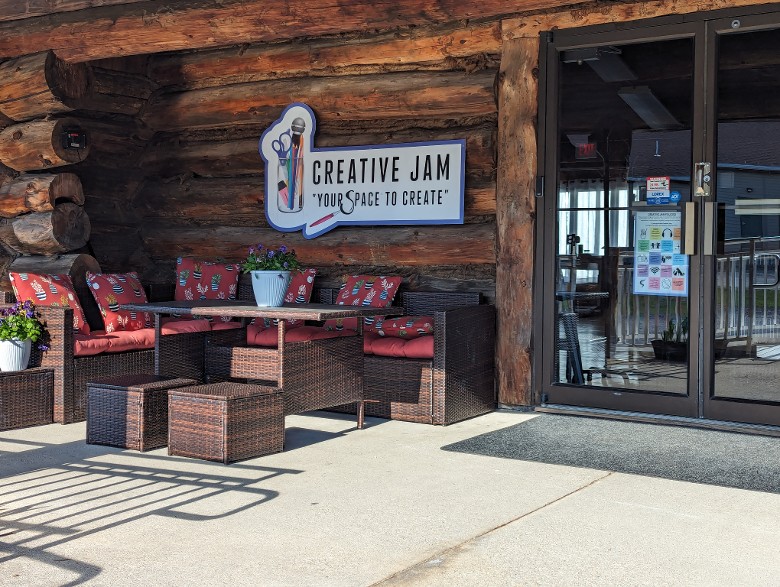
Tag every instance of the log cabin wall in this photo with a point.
(178, 170)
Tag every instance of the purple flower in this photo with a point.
(271, 254)
(282, 249)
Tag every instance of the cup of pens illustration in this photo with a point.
(289, 169)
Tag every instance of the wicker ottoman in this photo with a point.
(130, 411)
(225, 422)
(26, 398)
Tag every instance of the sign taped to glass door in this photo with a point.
(659, 267)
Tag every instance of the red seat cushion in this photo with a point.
(85, 345)
(402, 326)
(384, 346)
(364, 290)
(267, 337)
(130, 340)
(177, 326)
(50, 290)
(110, 290)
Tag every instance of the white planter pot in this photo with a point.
(14, 354)
(270, 287)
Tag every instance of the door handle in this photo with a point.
(709, 228)
(689, 229)
(703, 179)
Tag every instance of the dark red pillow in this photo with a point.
(50, 290)
(110, 290)
(402, 326)
(364, 290)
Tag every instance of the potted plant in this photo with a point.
(20, 326)
(270, 270)
(673, 344)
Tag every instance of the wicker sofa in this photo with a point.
(181, 355)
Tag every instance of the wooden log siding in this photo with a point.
(371, 97)
(37, 145)
(468, 48)
(152, 27)
(416, 246)
(117, 92)
(38, 193)
(64, 229)
(37, 85)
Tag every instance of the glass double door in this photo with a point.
(661, 220)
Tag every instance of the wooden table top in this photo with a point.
(244, 309)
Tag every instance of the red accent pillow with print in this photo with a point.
(206, 280)
(298, 292)
(364, 290)
(50, 290)
(112, 289)
(402, 326)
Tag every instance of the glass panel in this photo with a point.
(747, 287)
(624, 146)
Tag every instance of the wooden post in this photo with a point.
(515, 211)
(38, 145)
(39, 84)
(38, 193)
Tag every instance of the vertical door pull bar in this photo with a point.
(709, 227)
(689, 229)
(703, 179)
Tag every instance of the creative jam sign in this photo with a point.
(317, 189)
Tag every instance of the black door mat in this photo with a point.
(713, 457)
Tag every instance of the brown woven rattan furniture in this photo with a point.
(130, 411)
(458, 383)
(225, 422)
(312, 375)
(26, 398)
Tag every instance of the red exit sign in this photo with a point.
(586, 151)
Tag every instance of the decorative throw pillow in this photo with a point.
(402, 326)
(206, 280)
(299, 292)
(50, 290)
(364, 290)
(112, 289)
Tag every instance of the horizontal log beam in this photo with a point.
(407, 95)
(153, 27)
(450, 48)
(37, 85)
(606, 12)
(21, 9)
(412, 246)
(38, 193)
(37, 145)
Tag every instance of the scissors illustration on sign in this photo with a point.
(282, 145)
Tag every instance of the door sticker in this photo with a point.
(660, 269)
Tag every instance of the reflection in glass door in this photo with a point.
(624, 153)
(746, 297)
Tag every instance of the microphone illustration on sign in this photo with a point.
(289, 170)
(295, 184)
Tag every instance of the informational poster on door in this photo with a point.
(659, 267)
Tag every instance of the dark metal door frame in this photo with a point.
(703, 28)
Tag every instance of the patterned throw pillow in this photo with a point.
(206, 280)
(402, 326)
(364, 290)
(298, 292)
(112, 289)
(50, 290)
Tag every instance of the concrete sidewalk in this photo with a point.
(345, 507)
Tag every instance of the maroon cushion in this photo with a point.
(85, 345)
(178, 326)
(267, 337)
(364, 290)
(130, 340)
(385, 346)
(225, 325)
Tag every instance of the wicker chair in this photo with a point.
(457, 383)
